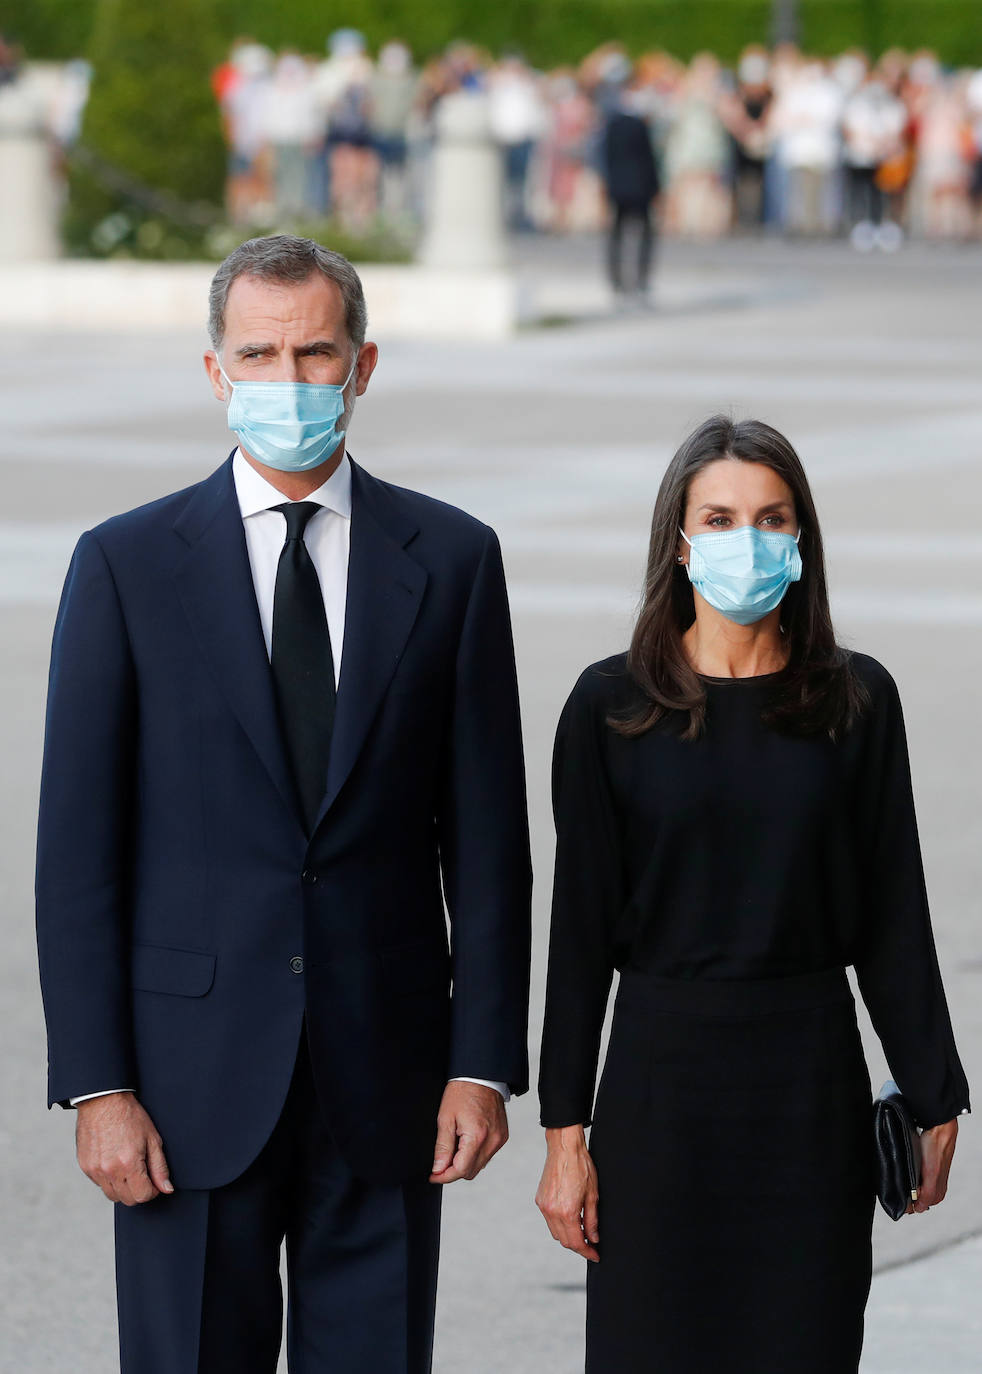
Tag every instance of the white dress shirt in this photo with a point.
(328, 540)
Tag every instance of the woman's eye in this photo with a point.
(717, 520)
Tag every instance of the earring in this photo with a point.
(679, 558)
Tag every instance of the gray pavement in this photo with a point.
(557, 438)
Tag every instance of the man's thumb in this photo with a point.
(446, 1145)
(157, 1167)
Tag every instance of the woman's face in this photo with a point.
(729, 494)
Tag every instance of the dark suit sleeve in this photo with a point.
(484, 846)
(897, 965)
(82, 855)
(588, 892)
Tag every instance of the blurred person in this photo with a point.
(973, 101)
(282, 731)
(631, 182)
(248, 190)
(786, 61)
(943, 171)
(435, 81)
(873, 126)
(228, 74)
(893, 177)
(849, 71)
(570, 185)
(466, 67)
(518, 120)
(343, 84)
(735, 826)
(746, 118)
(392, 95)
(662, 79)
(614, 72)
(294, 129)
(697, 202)
(11, 57)
(808, 118)
(71, 96)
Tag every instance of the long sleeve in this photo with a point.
(587, 896)
(896, 963)
(482, 827)
(82, 859)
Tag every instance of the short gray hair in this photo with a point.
(287, 258)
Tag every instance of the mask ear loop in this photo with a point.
(227, 378)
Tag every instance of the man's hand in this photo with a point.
(472, 1126)
(937, 1148)
(568, 1194)
(119, 1149)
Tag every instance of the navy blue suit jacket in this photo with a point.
(177, 889)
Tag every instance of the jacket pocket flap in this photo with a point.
(182, 972)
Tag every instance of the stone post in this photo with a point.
(29, 200)
(465, 224)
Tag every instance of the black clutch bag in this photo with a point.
(897, 1142)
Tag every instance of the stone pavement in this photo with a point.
(558, 438)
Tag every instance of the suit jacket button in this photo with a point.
(296, 964)
(308, 876)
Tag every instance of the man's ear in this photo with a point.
(215, 375)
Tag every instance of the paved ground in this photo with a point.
(559, 439)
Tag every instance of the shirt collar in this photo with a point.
(255, 494)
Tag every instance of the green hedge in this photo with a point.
(550, 31)
(151, 130)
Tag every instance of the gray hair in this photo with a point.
(287, 258)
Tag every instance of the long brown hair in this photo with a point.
(818, 691)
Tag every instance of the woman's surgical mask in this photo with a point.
(743, 573)
(290, 426)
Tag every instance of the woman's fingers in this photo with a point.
(568, 1230)
(591, 1217)
(937, 1150)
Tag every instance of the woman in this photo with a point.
(735, 825)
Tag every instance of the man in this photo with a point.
(631, 182)
(283, 727)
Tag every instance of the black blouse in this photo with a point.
(746, 853)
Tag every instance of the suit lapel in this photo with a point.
(385, 590)
(214, 582)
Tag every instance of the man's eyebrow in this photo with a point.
(317, 346)
(253, 348)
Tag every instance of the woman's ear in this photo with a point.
(682, 552)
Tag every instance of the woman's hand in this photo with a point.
(568, 1192)
(937, 1148)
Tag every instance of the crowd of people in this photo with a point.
(782, 141)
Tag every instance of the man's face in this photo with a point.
(287, 332)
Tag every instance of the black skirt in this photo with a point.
(733, 1141)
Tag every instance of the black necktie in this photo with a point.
(303, 665)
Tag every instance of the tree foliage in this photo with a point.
(549, 31)
(152, 147)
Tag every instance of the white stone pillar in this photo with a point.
(29, 200)
(465, 222)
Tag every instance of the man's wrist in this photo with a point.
(501, 1088)
(106, 1092)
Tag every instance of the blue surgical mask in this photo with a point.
(290, 426)
(743, 573)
